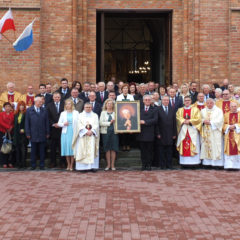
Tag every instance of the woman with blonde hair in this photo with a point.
(68, 121)
(110, 139)
(184, 90)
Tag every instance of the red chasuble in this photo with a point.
(233, 150)
(10, 98)
(29, 100)
(226, 106)
(187, 140)
(200, 107)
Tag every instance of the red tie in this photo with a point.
(146, 109)
(173, 104)
(101, 96)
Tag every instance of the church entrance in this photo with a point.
(134, 46)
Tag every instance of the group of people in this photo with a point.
(77, 121)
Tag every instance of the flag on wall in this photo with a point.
(25, 40)
(7, 23)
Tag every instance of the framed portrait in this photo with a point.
(127, 117)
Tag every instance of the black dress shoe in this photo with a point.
(32, 168)
(42, 168)
(94, 170)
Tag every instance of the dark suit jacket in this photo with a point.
(178, 103)
(147, 133)
(97, 108)
(139, 97)
(98, 97)
(19, 138)
(53, 117)
(211, 95)
(67, 95)
(83, 97)
(37, 124)
(193, 96)
(166, 126)
(48, 98)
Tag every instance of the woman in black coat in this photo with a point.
(19, 137)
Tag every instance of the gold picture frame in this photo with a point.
(127, 117)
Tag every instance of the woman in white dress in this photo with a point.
(67, 121)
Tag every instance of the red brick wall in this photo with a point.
(205, 40)
(23, 68)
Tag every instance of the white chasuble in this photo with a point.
(86, 148)
(211, 143)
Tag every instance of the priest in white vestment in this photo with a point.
(211, 142)
(86, 140)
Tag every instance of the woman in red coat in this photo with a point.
(6, 125)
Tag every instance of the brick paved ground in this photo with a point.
(201, 204)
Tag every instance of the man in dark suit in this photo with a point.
(166, 133)
(101, 95)
(43, 92)
(141, 93)
(225, 84)
(54, 110)
(64, 89)
(174, 102)
(193, 91)
(78, 103)
(151, 88)
(97, 108)
(111, 87)
(206, 91)
(84, 94)
(37, 131)
(148, 120)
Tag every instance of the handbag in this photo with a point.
(7, 144)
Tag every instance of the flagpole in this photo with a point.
(6, 38)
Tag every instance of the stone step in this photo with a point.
(125, 159)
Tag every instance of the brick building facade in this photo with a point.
(205, 39)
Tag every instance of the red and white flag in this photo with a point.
(7, 23)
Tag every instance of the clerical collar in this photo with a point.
(88, 114)
(10, 93)
(210, 109)
(200, 103)
(30, 95)
(187, 107)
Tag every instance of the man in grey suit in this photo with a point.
(78, 103)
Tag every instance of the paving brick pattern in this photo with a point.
(128, 205)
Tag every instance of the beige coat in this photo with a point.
(104, 124)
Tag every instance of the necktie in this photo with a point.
(102, 96)
(173, 104)
(75, 101)
(86, 94)
(166, 110)
(146, 109)
(64, 91)
(57, 107)
(38, 110)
